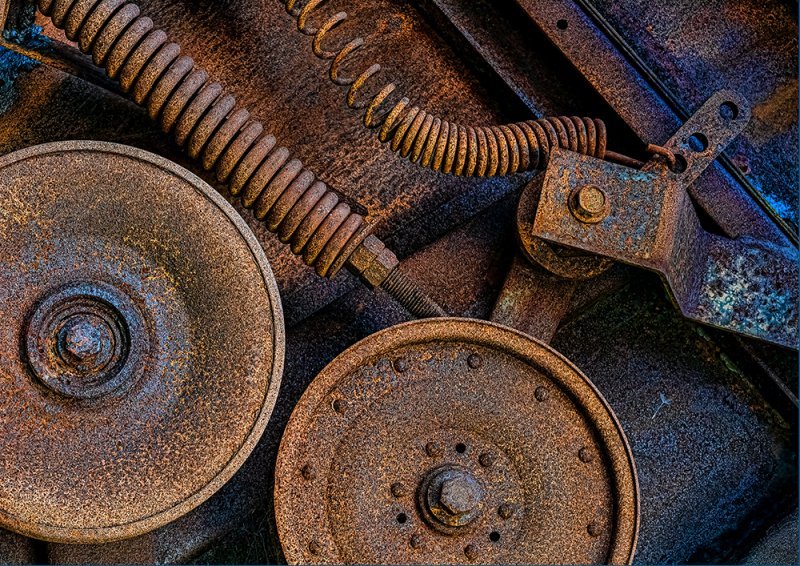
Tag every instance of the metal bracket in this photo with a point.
(646, 218)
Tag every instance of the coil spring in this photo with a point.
(441, 145)
(207, 121)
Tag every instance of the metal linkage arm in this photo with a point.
(646, 218)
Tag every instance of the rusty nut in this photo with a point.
(372, 261)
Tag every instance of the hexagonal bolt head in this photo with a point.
(372, 261)
(460, 495)
(589, 204)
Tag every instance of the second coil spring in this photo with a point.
(442, 145)
(207, 121)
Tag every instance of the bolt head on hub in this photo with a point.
(460, 495)
(452, 496)
(84, 339)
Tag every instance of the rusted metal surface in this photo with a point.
(566, 263)
(647, 219)
(440, 144)
(749, 46)
(702, 504)
(136, 377)
(491, 448)
(533, 300)
(570, 26)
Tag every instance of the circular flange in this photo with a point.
(454, 441)
(141, 341)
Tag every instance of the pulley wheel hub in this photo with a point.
(141, 341)
(454, 441)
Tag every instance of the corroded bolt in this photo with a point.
(585, 455)
(593, 529)
(471, 552)
(84, 339)
(487, 459)
(541, 394)
(314, 547)
(589, 204)
(460, 494)
(338, 406)
(416, 541)
(505, 511)
(307, 473)
(400, 365)
(474, 361)
(398, 489)
(433, 449)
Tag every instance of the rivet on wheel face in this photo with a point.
(400, 365)
(474, 361)
(593, 529)
(471, 552)
(585, 455)
(505, 511)
(314, 547)
(541, 394)
(415, 541)
(433, 449)
(487, 459)
(398, 489)
(338, 406)
(307, 473)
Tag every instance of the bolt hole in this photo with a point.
(402, 518)
(680, 164)
(461, 448)
(728, 111)
(562, 24)
(494, 536)
(698, 142)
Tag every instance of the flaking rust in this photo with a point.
(454, 441)
(135, 377)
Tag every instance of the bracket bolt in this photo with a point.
(589, 204)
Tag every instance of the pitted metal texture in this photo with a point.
(454, 441)
(138, 369)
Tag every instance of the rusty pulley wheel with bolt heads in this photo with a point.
(454, 441)
(138, 368)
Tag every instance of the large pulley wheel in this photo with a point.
(454, 441)
(141, 341)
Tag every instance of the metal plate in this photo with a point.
(454, 441)
(138, 369)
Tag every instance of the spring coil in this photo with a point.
(209, 124)
(441, 145)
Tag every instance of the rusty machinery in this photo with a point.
(144, 336)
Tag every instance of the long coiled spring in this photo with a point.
(441, 145)
(207, 121)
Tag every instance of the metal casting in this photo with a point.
(138, 369)
(143, 341)
(454, 441)
(646, 218)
